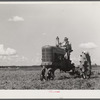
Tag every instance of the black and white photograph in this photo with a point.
(50, 46)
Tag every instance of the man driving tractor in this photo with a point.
(66, 46)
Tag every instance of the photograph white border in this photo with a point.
(47, 94)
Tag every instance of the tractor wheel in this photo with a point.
(49, 74)
(42, 75)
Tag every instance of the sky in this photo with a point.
(25, 28)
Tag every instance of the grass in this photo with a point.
(30, 79)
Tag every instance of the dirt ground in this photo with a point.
(30, 79)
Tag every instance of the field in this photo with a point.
(29, 79)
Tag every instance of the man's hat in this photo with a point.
(65, 39)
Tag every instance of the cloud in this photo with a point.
(16, 19)
(14, 60)
(9, 56)
(37, 60)
(23, 58)
(7, 51)
(88, 45)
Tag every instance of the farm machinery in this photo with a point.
(56, 57)
(53, 59)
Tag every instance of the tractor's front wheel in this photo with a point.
(42, 75)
